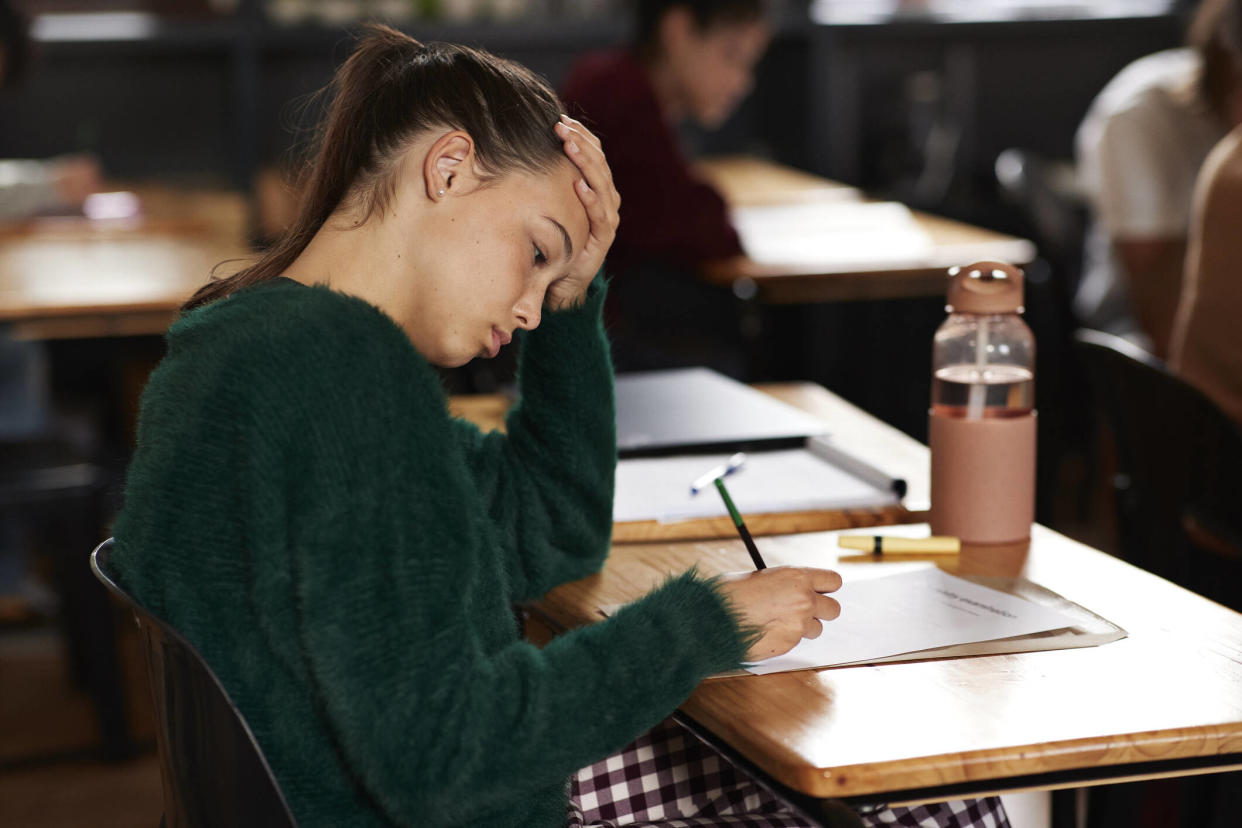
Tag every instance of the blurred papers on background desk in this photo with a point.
(866, 237)
(672, 426)
(878, 235)
(785, 480)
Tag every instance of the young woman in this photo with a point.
(1139, 150)
(689, 61)
(343, 552)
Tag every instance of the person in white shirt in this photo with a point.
(1139, 150)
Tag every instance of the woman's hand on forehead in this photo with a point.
(602, 202)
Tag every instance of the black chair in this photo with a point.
(1178, 503)
(56, 497)
(1054, 216)
(213, 772)
(1179, 499)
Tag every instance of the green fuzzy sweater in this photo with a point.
(345, 555)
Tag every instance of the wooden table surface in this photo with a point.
(73, 277)
(747, 181)
(1166, 700)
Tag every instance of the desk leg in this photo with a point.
(1068, 807)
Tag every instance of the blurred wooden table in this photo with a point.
(66, 277)
(746, 181)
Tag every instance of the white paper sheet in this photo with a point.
(866, 236)
(790, 480)
(913, 610)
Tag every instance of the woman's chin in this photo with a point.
(452, 360)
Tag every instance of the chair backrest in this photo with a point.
(1047, 194)
(1179, 497)
(213, 771)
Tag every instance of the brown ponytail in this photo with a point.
(389, 90)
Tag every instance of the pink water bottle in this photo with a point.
(982, 430)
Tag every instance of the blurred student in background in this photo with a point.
(690, 60)
(1207, 346)
(1139, 149)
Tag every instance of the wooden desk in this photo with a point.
(70, 277)
(745, 181)
(1167, 700)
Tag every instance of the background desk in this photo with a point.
(746, 181)
(73, 278)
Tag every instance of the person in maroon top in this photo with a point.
(689, 60)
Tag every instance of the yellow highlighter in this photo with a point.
(881, 545)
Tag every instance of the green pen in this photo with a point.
(741, 526)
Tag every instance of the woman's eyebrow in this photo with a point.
(569, 245)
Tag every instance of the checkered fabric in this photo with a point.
(956, 813)
(669, 778)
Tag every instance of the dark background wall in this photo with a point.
(195, 99)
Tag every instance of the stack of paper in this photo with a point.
(911, 612)
(789, 480)
(917, 611)
(862, 236)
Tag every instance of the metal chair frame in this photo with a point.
(212, 768)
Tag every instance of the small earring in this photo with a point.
(440, 193)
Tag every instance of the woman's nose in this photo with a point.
(528, 309)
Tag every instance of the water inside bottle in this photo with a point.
(1003, 391)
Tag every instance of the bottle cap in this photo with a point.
(985, 287)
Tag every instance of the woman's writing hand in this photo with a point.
(786, 603)
(602, 202)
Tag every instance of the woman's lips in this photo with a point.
(499, 340)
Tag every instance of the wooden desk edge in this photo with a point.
(1070, 763)
(88, 324)
(777, 523)
(777, 286)
(1058, 781)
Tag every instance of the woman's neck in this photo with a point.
(356, 259)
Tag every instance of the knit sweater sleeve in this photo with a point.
(548, 480)
(442, 720)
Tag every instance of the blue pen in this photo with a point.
(704, 480)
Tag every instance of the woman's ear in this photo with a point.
(449, 164)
